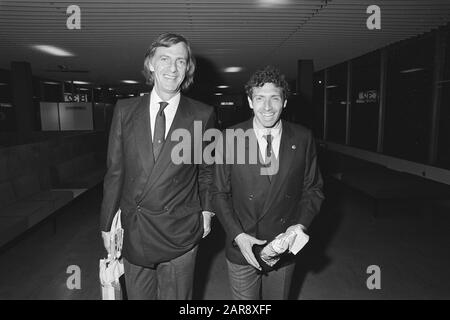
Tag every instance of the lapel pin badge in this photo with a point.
(294, 147)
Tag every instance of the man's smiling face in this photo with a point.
(267, 103)
(169, 65)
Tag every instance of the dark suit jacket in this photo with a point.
(245, 200)
(161, 202)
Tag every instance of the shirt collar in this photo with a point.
(155, 99)
(274, 131)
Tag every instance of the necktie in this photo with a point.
(160, 130)
(269, 152)
(270, 157)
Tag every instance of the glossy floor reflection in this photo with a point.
(411, 247)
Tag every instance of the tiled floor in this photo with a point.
(411, 248)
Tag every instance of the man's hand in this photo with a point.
(107, 241)
(207, 222)
(245, 243)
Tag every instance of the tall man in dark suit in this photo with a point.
(256, 202)
(164, 206)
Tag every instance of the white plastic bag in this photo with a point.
(111, 268)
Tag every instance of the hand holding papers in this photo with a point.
(293, 239)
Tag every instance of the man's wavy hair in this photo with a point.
(168, 40)
(269, 74)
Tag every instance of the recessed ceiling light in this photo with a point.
(233, 69)
(222, 87)
(272, 3)
(218, 94)
(411, 70)
(130, 81)
(80, 82)
(331, 86)
(53, 50)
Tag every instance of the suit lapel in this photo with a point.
(253, 169)
(285, 157)
(143, 135)
(183, 119)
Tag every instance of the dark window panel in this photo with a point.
(318, 100)
(5, 86)
(51, 91)
(443, 152)
(409, 99)
(337, 103)
(7, 115)
(365, 101)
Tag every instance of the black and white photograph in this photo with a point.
(207, 151)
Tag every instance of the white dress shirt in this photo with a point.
(260, 132)
(169, 111)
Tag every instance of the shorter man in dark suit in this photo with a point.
(255, 202)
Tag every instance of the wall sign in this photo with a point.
(369, 96)
(77, 97)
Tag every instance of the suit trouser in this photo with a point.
(247, 283)
(171, 280)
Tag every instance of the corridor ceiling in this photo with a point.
(114, 35)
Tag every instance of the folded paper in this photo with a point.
(294, 240)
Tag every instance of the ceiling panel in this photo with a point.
(250, 33)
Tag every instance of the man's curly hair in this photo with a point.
(269, 74)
